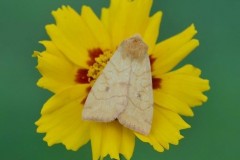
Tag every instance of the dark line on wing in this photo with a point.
(117, 68)
(138, 107)
(139, 75)
(106, 98)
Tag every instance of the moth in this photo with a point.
(123, 91)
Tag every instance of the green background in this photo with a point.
(215, 127)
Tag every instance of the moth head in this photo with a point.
(134, 47)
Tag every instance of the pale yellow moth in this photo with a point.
(123, 91)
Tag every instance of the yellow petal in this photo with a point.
(62, 98)
(52, 85)
(107, 141)
(74, 28)
(72, 36)
(169, 102)
(165, 130)
(96, 133)
(151, 140)
(61, 119)
(139, 17)
(58, 73)
(126, 18)
(51, 48)
(119, 12)
(105, 18)
(185, 85)
(111, 139)
(97, 28)
(188, 69)
(171, 51)
(75, 53)
(152, 31)
(53, 82)
(127, 143)
(173, 118)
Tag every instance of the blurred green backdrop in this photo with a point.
(215, 127)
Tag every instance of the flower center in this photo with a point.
(97, 62)
(97, 67)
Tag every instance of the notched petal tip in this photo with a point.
(192, 29)
(196, 41)
(186, 126)
(85, 8)
(36, 54)
(208, 87)
(49, 142)
(204, 98)
(194, 70)
(43, 42)
(38, 122)
(58, 10)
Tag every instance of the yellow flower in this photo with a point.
(81, 45)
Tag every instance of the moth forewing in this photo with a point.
(123, 91)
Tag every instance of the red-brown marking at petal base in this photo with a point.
(81, 76)
(87, 90)
(94, 53)
(156, 83)
(151, 61)
(84, 100)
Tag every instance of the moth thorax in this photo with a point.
(134, 47)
